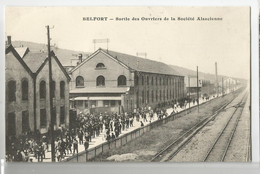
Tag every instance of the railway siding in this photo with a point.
(197, 148)
(240, 146)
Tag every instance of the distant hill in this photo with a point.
(207, 76)
(63, 55)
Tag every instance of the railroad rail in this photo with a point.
(218, 150)
(171, 150)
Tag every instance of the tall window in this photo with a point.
(152, 96)
(11, 124)
(147, 96)
(25, 90)
(121, 80)
(54, 115)
(152, 81)
(43, 118)
(156, 95)
(167, 94)
(42, 89)
(160, 81)
(160, 97)
(62, 115)
(62, 89)
(142, 80)
(163, 95)
(163, 79)
(53, 89)
(142, 96)
(136, 79)
(147, 80)
(100, 81)
(79, 81)
(100, 65)
(25, 121)
(11, 91)
(156, 81)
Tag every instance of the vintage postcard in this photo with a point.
(127, 84)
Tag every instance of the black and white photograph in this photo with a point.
(128, 84)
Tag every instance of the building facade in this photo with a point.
(27, 92)
(111, 81)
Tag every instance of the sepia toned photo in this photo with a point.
(127, 84)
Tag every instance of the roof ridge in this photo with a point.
(132, 55)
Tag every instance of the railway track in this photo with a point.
(220, 147)
(171, 150)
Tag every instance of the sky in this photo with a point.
(183, 43)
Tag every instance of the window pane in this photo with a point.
(62, 115)
(42, 89)
(79, 81)
(25, 90)
(11, 126)
(43, 119)
(11, 91)
(62, 89)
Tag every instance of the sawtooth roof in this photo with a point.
(35, 60)
(21, 51)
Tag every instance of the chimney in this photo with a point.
(9, 42)
(80, 58)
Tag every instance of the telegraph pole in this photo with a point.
(222, 86)
(198, 89)
(216, 74)
(51, 97)
(189, 92)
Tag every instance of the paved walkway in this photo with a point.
(101, 138)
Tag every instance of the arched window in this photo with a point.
(121, 80)
(79, 81)
(25, 90)
(11, 91)
(62, 89)
(100, 65)
(100, 81)
(42, 89)
(53, 88)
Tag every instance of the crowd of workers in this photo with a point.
(87, 127)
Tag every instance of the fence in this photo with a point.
(122, 140)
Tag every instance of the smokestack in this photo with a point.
(216, 73)
(9, 41)
(80, 58)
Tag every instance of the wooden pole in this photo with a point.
(51, 97)
(198, 88)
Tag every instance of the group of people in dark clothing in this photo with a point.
(87, 127)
